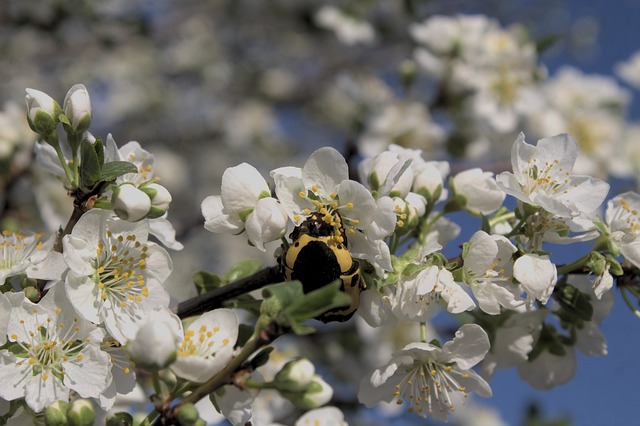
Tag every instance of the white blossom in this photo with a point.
(542, 177)
(513, 341)
(432, 380)
(537, 275)
(115, 274)
(488, 269)
(325, 416)
(348, 29)
(26, 253)
(207, 345)
(623, 222)
(479, 188)
(323, 186)
(77, 107)
(54, 352)
(245, 203)
(155, 342)
(130, 203)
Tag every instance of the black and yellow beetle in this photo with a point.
(317, 256)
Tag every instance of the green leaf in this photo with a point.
(242, 270)
(89, 165)
(318, 302)
(547, 42)
(115, 169)
(413, 269)
(301, 329)
(206, 281)
(99, 147)
(575, 303)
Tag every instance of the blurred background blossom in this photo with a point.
(208, 85)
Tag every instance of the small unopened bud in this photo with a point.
(119, 419)
(77, 108)
(32, 293)
(130, 203)
(317, 394)
(295, 375)
(43, 112)
(81, 413)
(56, 414)
(188, 415)
(160, 199)
(154, 346)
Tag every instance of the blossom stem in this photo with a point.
(628, 302)
(63, 162)
(502, 218)
(260, 339)
(215, 298)
(427, 224)
(151, 417)
(254, 384)
(573, 266)
(423, 332)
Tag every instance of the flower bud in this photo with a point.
(56, 414)
(119, 419)
(77, 108)
(187, 415)
(428, 183)
(160, 199)
(81, 413)
(130, 203)
(317, 393)
(295, 375)
(154, 346)
(42, 112)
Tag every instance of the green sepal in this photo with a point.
(373, 181)
(455, 203)
(413, 269)
(206, 281)
(119, 419)
(242, 269)
(614, 266)
(244, 213)
(64, 119)
(90, 170)
(98, 146)
(114, 169)
(596, 263)
(435, 342)
(102, 203)
(318, 302)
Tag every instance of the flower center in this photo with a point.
(626, 221)
(16, 247)
(202, 342)
(330, 211)
(49, 345)
(548, 177)
(120, 269)
(430, 386)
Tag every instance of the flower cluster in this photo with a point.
(388, 234)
